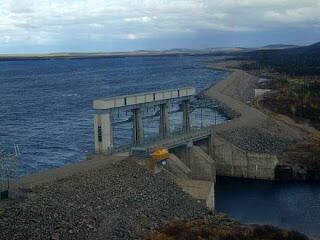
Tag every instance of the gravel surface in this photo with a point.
(119, 201)
(239, 86)
(255, 140)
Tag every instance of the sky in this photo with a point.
(46, 26)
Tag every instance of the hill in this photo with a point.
(279, 46)
(298, 61)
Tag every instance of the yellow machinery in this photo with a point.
(160, 154)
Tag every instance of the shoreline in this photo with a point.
(57, 56)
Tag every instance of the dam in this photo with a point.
(229, 159)
(196, 154)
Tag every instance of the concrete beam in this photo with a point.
(164, 128)
(130, 101)
(211, 198)
(211, 144)
(186, 116)
(137, 131)
(103, 135)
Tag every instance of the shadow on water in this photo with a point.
(292, 206)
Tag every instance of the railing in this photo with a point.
(175, 138)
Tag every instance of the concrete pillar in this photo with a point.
(188, 155)
(103, 136)
(164, 128)
(211, 198)
(211, 145)
(137, 133)
(186, 116)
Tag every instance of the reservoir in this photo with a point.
(46, 105)
(46, 108)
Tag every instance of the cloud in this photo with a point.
(6, 39)
(96, 25)
(300, 15)
(144, 19)
(132, 36)
(58, 21)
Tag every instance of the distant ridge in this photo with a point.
(315, 45)
(180, 50)
(280, 46)
(218, 51)
(313, 49)
(297, 61)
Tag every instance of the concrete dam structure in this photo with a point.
(196, 155)
(228, 159)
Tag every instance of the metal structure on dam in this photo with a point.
(185, 98)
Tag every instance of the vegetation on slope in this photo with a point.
(295, 75)
(300, 101)
(201, 230)
(305, 156)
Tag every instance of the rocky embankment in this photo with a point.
(253, 130)
(120, 201)
(256, 140)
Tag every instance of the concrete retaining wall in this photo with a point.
(183, 153)
(229, 160)
(234, 162)
(177, 167)
(195, 172)
(202, 166)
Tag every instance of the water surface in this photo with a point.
(46, 105)
(292, 206)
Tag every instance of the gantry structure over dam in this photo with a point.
(107, 107)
